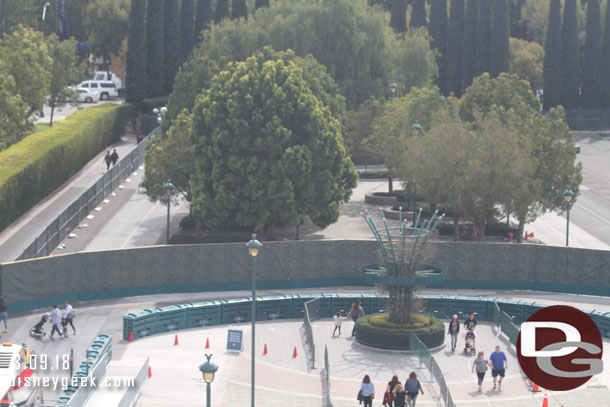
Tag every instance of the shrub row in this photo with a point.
(37, 165)
(421, 324)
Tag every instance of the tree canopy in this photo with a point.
(267, 150)
(107, 26)
(526, 59)
(64, 70)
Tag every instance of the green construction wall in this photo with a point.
(37, 283)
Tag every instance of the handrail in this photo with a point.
(312, 311)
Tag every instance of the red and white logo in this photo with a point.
(560, 348)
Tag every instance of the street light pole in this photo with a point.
(208, 370)
(253, 248)
(567, 196)
(169, 188)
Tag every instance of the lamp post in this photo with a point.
(253, 248)
(567, 196)
(393, 88)
(160, 113)
(169, 189)
(417, 127)
(208, 370)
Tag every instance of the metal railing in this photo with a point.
(496, 314)
(425, 358)
(312, 312)
(86, 203)
(509, 328)
(329, 403)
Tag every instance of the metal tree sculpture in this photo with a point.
(401, 248)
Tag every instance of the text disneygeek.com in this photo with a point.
(64, 382)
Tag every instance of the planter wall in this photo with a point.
(380, 200)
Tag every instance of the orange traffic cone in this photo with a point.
(207, 343)
(176, 340)
(545, 402)
(535, 388)
(130, 336)
(265, 350)
(149, 372)
(294, 353)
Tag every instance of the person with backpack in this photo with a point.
(388, 397)
(355, 312)
(399, 395)
(108, 160)
(115, 157)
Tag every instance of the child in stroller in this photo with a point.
(470, 342)
(38, 330)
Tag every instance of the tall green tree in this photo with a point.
(591, 82)
(64, 70)
(552, 57)
(500, 45)
(135, 69)
(222, 11)
(604, 70)
(398, 18)
(155, 54)
(484, 34)
(203, 16)
(438, 32)
(239, 9)
(13, 111)
(27, 59)
(108, 26)
(187, 29)
(570, 61)
(418, 13)
(454, 51)
(526, 61)
(171, 43)
(261, 3)
(518, 28)
(266, 159)
(469, 44)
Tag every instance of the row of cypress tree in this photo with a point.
(567, 81)
(161, 35)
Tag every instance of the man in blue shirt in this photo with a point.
(498, 365)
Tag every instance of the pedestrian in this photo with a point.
(454, 329)
(69, 316)
(470, 323)
(108, 160)
(498, 365)
(413, 387)
(56, 320)
(367, 390)
(115, 156)
(390, 389)
(338, 321)
(25, 355)
(399, 395)
(355, 312)
(3, 314)
(139, 137)
(480, 365)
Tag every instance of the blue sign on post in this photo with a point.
(234, 340)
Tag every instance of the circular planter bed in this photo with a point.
(377, 332)
(395, 214)
(380, 199)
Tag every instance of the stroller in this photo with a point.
(38, 330)
(470, 342)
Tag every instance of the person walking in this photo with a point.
(454, 329)
(25, 355)
(367, 389)
(355, 312)
(3, 314)
(413, 387)
(69, 316)
(108, 160)
(338, 321)
(498, 365)
(56, 320)
(115, 156)
(470, 324)
(480, 365)
(399, 395)
(388, 397)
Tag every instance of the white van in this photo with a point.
(106, 89)
(108, 76)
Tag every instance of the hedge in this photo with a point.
(421, 324)
(40, 163)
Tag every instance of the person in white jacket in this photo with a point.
(56, 320)
(338, 321)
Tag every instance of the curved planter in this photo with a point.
(395, 215)
(396, 341)
(380, 200)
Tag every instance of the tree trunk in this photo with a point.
(390, 185)
(456, 227)
(520, 230)
(52, 110)
(481, 224)
(401, 304)
(197, 228)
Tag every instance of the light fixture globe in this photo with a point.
(393, 87)
(254, 246)
(208, 370)
(169, 188)
(568, 195)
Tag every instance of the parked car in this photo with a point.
(87, 95)
(106, 89)
(109, 76)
